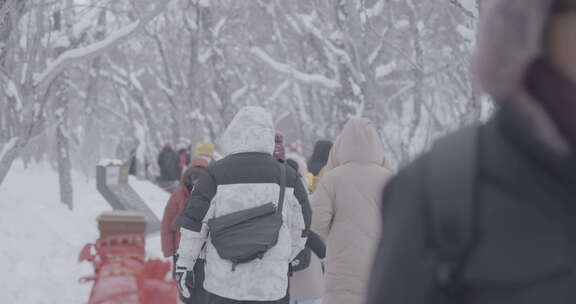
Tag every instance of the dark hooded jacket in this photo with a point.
(168, 163)
(524, 248)
(319, 156)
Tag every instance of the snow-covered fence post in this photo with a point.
(112, 183)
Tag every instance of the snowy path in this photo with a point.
(41, 238)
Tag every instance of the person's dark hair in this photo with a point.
(319, 156)
(560, 6)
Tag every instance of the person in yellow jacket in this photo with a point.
(317, 162)
(314, 180)
(205, 150)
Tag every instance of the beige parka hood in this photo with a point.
(347, 210)
(358, 142)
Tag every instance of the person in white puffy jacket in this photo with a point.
(247, 177)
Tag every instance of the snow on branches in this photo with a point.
(70, 57)
(312, 79)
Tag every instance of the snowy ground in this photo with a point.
(41, 238)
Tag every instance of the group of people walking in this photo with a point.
(486, 216)
(173, 164)
(330, 217)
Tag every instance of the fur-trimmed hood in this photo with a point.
(511, 37)
(511, 34)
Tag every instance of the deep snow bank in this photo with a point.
(40, 238)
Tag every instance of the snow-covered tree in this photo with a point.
(84, 80)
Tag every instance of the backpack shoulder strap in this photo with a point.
(450, 182)
(282, 187)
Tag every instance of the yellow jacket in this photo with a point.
(314, 180)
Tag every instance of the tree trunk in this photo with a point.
(8, 154)
(352, 101)
(418, 98)
(64, 166)
(63, 147)
(45, 79)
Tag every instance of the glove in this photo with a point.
(183, 277)
(190, 246)
(315, 243)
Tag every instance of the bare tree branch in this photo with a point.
(5, 10)
(315, 79)
(75, 56)
(465, 11)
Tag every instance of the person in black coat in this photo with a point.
(319, 156)
(506, 231)
(168, 163)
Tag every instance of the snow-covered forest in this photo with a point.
(84, 80)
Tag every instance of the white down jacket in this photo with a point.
(248, 177)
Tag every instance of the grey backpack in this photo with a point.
(243, 236)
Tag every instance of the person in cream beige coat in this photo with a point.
(347, 212)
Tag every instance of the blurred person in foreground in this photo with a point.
(346, 210)
(489, 214)
(248, 177)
